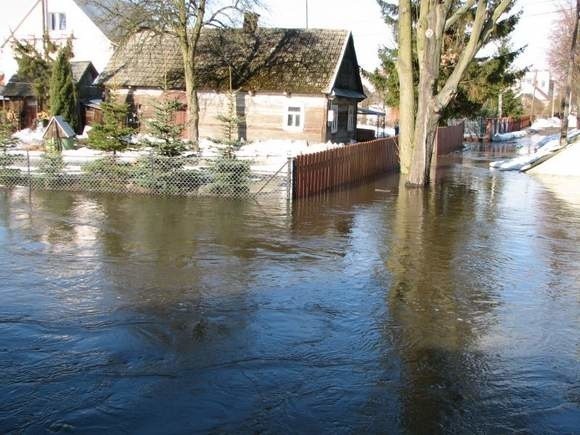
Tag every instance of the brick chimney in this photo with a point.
(251, 22)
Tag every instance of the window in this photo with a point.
(56, 21)
(351, 120)
(334, 120)
(294, 119)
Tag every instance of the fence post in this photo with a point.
(289, 180)
(28, 169)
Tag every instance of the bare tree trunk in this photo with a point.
(429, 46)
(566, 101)
(192, 122)
(406, 86)
(188, 40)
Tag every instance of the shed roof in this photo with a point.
(269, 59)
(79, 69)
(58, 124)
(17, 87)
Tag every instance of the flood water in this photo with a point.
(376, 309)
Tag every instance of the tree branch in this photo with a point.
(458, 14)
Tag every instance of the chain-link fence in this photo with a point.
(149, 174)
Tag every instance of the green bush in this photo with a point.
(230, 176)
(106, 174)
(108, 168)
(51, 165)
(51, 168)
(161, 174)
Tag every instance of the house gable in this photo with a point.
(347, 81)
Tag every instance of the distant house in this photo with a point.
(289, 83)
(93, 37)
(537, 83)
(18, 94)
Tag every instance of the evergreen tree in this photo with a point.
(113, 134)
(35, 68)
(168, 141)
(477, 92)
(63, 92)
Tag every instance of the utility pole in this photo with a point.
(500, 105)
(306, 14)
(567, 100)
(534, 84)
(45, 27)
(553, 97)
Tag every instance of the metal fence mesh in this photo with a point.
(148, 174)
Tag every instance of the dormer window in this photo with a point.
(57, 21)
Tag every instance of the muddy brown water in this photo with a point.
(374, 309)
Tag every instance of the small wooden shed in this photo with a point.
(59, 134)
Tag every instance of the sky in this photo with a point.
(363, 18)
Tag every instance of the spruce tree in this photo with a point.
(112, 135)
(168, 141)
(63, 92)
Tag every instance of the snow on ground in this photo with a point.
(542, 123)
(503, 137)
(266, 156)
(29, 136)
(546, 145)
(381, 132)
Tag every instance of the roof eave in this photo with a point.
(328, 90)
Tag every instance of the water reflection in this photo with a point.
(373, 309)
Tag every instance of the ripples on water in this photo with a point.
(375, 309)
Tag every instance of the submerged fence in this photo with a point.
(506, 125)
(148, 174)
(486, 128)
(326, 170)
(449, 139)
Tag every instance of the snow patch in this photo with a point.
(29, 136)
(543, 147)
(504, 137)
(542, 123)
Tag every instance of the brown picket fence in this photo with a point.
(449, 139)
(327, 170)
(506, 125)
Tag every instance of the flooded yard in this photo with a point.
(375, 309)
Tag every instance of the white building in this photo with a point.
(25, 20)
(541, 81)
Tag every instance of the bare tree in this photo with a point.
(422, 28)
(182, 19)
(564, 60)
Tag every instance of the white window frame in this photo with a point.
(334, 122)
(351, 119)
(56, 21)
(288, 112)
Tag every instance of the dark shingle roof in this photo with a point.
(80, 68)
(17, 88)
(292, 60)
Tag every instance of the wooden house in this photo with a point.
(19, 98)
(289, 83)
